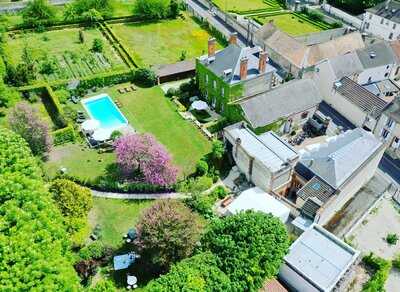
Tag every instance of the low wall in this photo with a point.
(343, 16)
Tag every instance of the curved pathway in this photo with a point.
(133, 196)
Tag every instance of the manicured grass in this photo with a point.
(115, 217)
(122, 7)
(162, 42)
(291, 24)
(243, 5)
(73, 58)
(79, 160)
(148, 110)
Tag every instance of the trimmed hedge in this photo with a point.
(381, 269)
(107, 79)
(64, 135)
(218, 125)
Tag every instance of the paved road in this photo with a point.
(16, 6)
(215, 20)
(388, 165)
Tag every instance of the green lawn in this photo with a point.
(244, 5)
(73, 59)
(148, 110)
(79, 160)
(115, 217)
(122, 7)
(162, 42)
(291, 24)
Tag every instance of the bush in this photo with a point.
(152, 9)
(217, 125)
(116, 134)
(97, 45)
(201, 167)
(106, 79)
(167, 233)
(63, 136)
(172, 92)
(381, 269)
(145, 77)
(195, 185)
(62, 95)
(38, 12)
(392, 238)
(396, 262)
(95, 250)
(198, 273)
(249, 247)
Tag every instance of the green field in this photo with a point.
(291, 24)
(72, 58)
(162, 42)
(115, 217)
(245, 5)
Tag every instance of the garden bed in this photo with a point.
(246, 6)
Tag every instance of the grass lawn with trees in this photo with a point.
(163, 42)
(240, 5)
(115, 217)
(72, 58)
(290, 24)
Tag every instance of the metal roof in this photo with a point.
(341, 156)
(361, 97)
(270, 150)
(316, 188)
(292, 97)
(320, 257)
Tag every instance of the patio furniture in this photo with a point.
(121, 90)
(128, 89)
(75, 99)
(131, 281)
(199, 105)
(133, 87)
(80, 120)
(118, 103)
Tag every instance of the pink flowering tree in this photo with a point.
(25, 121)
(141, 153)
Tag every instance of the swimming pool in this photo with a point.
(102, 108)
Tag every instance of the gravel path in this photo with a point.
(122, 196)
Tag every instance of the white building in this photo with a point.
(266, 160)
(316, 261)
(257, 200)
(383, 20)
(330, 174)
(388, 127)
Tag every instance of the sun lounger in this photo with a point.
(128, 89)
(80, 120)
(133, 87)
(121, 90)
(75, 99)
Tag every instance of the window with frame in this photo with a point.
(382, 20)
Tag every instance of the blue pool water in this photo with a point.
(103, 109)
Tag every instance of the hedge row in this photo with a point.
(320, 24)
(107, 79)
(64, 135)
(261, 10)
(217, 125)
(381, 269)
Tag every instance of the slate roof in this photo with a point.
(229, 59)
(302, 55)
(321, 36)
(287, 99)
(392, 13)
(176, 68)
(346, 65)
(316, 188)
(320, 257)
(361, 97)
(341, 156)
(376, 55)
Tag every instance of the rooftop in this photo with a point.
(273, 152)
(341, 156)
(361, 97)
(346, 65)
(393, 110)
(176, 68)
(376, 55)
(228, 60)
(387, 9)
(320, 257)
(292, 97)
(257, 200)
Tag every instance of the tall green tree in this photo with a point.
(152, 9)
(354, 6)
(38, 12)
(249, 247)
(35, 248)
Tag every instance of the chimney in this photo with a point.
(262, 62)
(212, 43)
(243, 68)
(233, 38)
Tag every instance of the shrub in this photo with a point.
(152, 9)
(97, 45)
(203, 203)
(198, 273)
(381, 269)
(217, 125)
(142, 154)
(38, 12)
(116, 134)
(396, 262)
(145, 77)
(172, 92)
(95, 250)
(195, 185)
(201, 167)
(62, 95)
(249, 247)
(392, 238)
(24, 120)
(167, 233)
(63, 136)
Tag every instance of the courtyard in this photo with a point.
(163, 42)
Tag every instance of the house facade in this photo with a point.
(229, 74)
(266, 160)
(383, 20)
